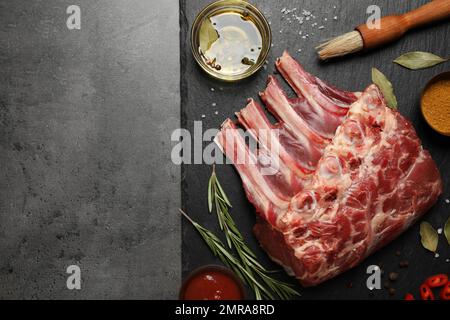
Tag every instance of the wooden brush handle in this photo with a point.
(393, 27)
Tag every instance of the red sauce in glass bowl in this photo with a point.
(212, 283)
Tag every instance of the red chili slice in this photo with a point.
(426, 293)
(437, 281)
(445, 292)
(409, 296)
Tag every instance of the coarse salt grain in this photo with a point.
(447, 201)
(216, 112)
(436, 255)
(447, 260)
(335, 17)
(214, 104)
(321, 27)
(203, 116)
(212, 89)
(439, 231)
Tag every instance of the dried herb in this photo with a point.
(207, 36)
(429, 237)
(447, 230)
(247, 61)
(386, 88)
(419, 60)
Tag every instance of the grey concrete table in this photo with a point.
(85, 170)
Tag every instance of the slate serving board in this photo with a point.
(350, 73)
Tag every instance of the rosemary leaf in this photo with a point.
(252, 259)
(210, 195)
(222, 193)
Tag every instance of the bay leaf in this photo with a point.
(429, 236)
(447, 230)
(207, 36)
(419, 60)
(386, 88)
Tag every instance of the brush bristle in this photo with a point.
(341, 46)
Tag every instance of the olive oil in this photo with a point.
(237, 46)
(230, 39)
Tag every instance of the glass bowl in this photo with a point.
(238, 6)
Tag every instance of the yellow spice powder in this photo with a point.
(436, 105)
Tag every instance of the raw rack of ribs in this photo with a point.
(351, 173)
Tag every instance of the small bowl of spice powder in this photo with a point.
(435, 103)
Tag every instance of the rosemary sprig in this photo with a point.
(220, 251)
(218, 198)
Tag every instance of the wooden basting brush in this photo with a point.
(391, 28)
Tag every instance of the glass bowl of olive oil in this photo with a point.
(230, 39)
